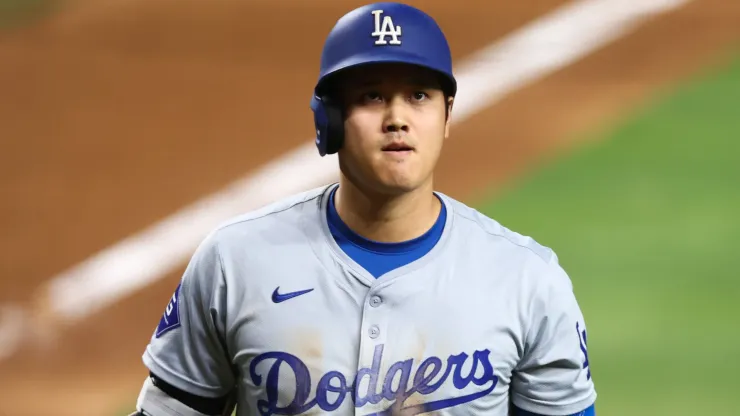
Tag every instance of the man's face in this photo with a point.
(396, 121)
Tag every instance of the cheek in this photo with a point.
(434, 132)
(358, 140)
(361, 135)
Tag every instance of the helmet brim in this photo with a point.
(449, 84)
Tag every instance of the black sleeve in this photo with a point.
(205, 405)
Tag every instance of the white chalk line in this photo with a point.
(539, 48)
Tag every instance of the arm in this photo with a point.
(158, 397)
(190, 372)
(554, 374)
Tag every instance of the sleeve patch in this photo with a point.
(171, 316)
(584, 348)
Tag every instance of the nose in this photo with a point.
(395, 117)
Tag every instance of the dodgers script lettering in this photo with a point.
(431, 374)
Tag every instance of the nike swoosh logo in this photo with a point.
(278, 297)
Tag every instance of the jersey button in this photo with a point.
(374, 331)
(375, 301)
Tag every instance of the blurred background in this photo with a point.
(121, 119)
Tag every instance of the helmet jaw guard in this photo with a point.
(374, 34)
(329, 122)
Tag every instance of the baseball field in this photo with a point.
(128, 127)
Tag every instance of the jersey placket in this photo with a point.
(373, 337)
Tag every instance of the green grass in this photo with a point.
(17, 12)
(647, 223)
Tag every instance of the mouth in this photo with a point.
(398, 147)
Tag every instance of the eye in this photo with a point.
(371, 96)
(419, 96)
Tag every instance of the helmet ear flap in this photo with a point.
(329, 122)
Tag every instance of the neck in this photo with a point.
(387, 218)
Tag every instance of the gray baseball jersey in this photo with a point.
(270, 305)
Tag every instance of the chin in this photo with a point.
(399, 184)
(385, 178)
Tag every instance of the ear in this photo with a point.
(450, 102)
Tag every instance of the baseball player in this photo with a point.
(375, 295)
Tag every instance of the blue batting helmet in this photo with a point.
(371, 34)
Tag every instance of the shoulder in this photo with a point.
(278, 217)
(253, 239)
(521, 255)
(492, 232)
(282, 209)
(258, 233)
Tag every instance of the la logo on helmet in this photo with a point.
(387, 28)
